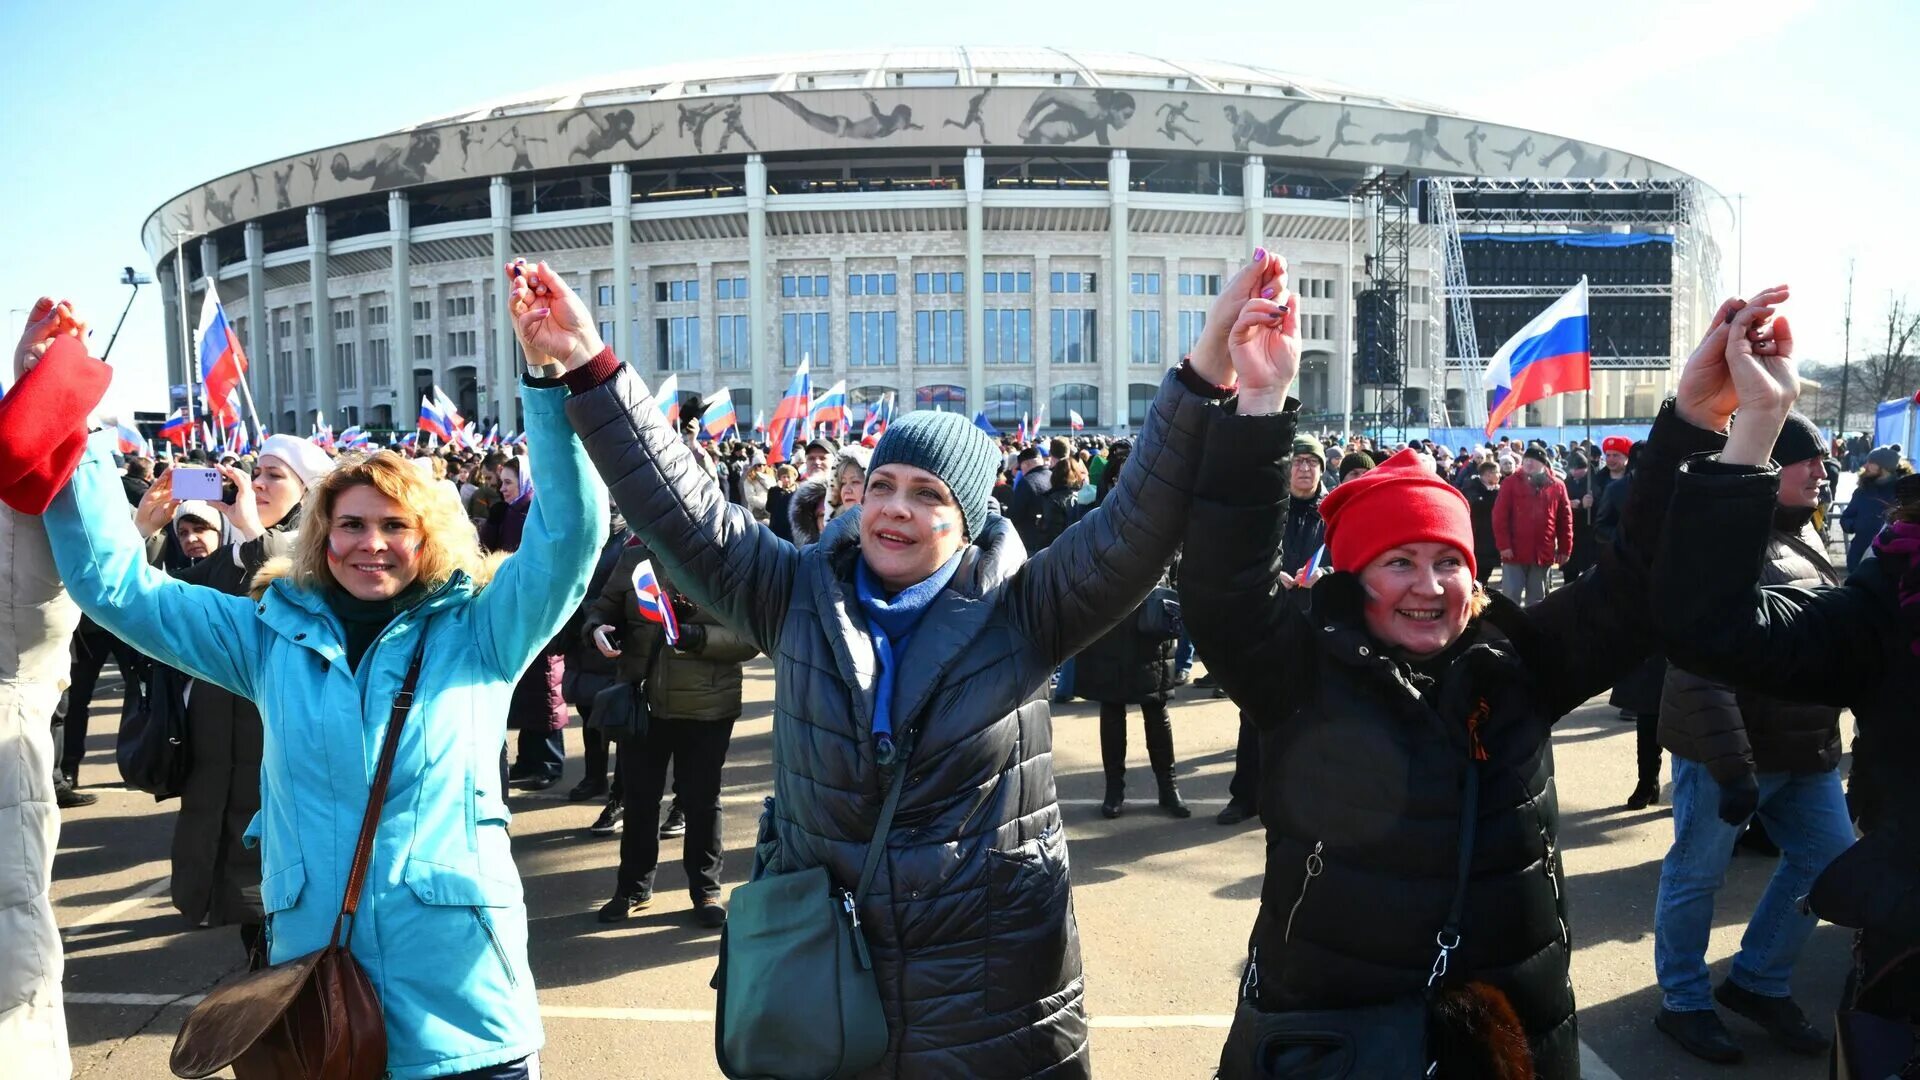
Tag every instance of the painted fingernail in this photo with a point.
(542, 312)
(1259, 256)
(1269, 293)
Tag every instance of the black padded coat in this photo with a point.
(1363, 757)
(970, 917)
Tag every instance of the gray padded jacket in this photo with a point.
(970, 916)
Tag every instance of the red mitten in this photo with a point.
(43, 424)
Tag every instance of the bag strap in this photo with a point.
(881, 826)
(370, 819)
(1448, 939)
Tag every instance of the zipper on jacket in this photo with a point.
(499, 951)
(1314, 866)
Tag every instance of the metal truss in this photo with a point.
(1446, 236)
(1522, 292)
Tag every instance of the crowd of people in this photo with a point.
(922, 594)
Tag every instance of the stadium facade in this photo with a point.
(1019, 230)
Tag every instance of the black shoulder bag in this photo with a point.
(152, 750)
(1373, 1042)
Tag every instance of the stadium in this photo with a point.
(1024, 231)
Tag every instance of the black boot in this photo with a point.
(1645, 794)
(1115, 801)
(1160, 755)
(1646, 752)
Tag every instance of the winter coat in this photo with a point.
(1059, 507)
(1480, 502)
(1844, 646)
(442, 894)
(216, 875)
(1735, 732)
(1535, 523)
(36, 621)
(1866, 511)
(1609, 503)
(1306, 530)
(1025, 506)
(780, 512)
(803, 512)
(1127, 666)
(1364, 757)
(583, 656)
(505, 521)
(970, 916)
(699, 679)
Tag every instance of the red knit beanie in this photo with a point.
(43, 424)
(1400, 502)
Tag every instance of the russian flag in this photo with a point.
(222, 361)
(1073, 418)
(448, 410)
(719, 418)
(176, 428)
(652, 601)
(432, 420)
(354, 438)
(759, 422)
(1550, 355)
(790, 414)
(237, 439)
(879, 415)
(493, 437)
(130, 439)
(831, 408)
(668, 398)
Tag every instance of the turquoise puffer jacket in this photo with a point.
(442, 931)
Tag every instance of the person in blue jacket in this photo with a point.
(386, 559)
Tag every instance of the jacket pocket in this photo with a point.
(766, 844)
(281, 889)
(1033, 949)
(447, 886)
(493, 942)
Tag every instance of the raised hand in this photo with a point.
(552, 323)
(46, 320)
(1705, 396)
(1264, 344)
(242, 513)
(1211, 358)
(1759, 356)
(156, 507)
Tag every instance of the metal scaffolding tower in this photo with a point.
(1446, 236)
(1390, 207)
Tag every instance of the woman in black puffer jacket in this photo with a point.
(1380, 692)
(1130, 665)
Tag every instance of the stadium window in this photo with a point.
(677, 341)
(1145, 284)
(676, 291)
(1139, 402)
(856, 285)
(306, 326)
(306, 365)
(343, 372)
(723, 288)
(945, 397)
(379, 370)
(605, 294)
(941, 336)
(735, 343)
(806, 335)
(1074, 337)
(1007, 403)
(1191, 323)
(873, 339)
(606, 331)
(889, 284)
(1145, 326)
(1008, 334)
(422, 310)
(1073, 281)
(283, 372)
(1078, 397)
(423, 346)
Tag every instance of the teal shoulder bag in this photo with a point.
(797, 995)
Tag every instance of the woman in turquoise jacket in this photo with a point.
(387, 556)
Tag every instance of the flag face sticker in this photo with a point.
(652, 600)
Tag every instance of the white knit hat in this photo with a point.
(307, 461)
(197, 510)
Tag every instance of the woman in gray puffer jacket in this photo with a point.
(917, 636)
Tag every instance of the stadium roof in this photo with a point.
(926, 66)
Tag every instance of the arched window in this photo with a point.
(1007, 402)
(1139, 400)
(943, 396)
(1083, 398)
(861, 400)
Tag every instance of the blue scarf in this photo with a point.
(892, 621)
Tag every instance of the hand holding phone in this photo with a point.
(193, 483)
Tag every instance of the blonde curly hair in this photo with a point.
(448, 542)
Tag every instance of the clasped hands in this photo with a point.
(1252, 335)
(552, 322)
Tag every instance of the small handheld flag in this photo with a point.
(790, 414)
(652, 601)
(176, 428)
(432, 420)
(831, 408)
(131, 441)
(719, 418)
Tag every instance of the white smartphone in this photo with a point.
(203, 484)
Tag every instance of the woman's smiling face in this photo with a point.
(909, 525)
(1418, 597)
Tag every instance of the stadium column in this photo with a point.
(400, 309)
(170, 307)
(758, 284)
(325, 379)
(505, 397)
(1253, 187)
(1120, 342)
(260, 373)
(620, 211)
(974, 168)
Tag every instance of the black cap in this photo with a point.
(1799, 440)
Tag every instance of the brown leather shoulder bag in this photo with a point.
(315, 1017)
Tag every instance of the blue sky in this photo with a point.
(1804, 108)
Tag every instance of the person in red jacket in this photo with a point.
(1533, 524)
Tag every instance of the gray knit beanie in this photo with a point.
(951, 448)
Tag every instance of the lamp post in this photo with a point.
(128, 276)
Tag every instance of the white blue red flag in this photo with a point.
(130, 439)
(1074, 420)
(668, 398)
(355, 439)
(879, 415)
(1550, 355)
(238, 440)
(790, 415)
(831, 408)
(222, 362)
(448, 411)
(432, 420)
(493, 437)
(176, 429)
(720, 418)
(652, 601)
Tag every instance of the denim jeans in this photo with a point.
(1183, 653)
(1806, 816)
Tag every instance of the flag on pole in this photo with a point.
(790, 414)
(493, 437)
(879, 415)
(176, 428)
(206, 429)
(668, 398)
(448, 410)
(237, 439)
(432, 420)
(354, 438)
(1073, 418)
(1550, 355)
(759, 422)
(652, 601)
(222, 361)
(830, 408)
(130, 439)
(719, 418)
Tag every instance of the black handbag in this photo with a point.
(621, 710)
(1159, 616)
(152, 750)
(1375, 1042)
(1872, 1040)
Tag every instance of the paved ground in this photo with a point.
(1164, 908)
